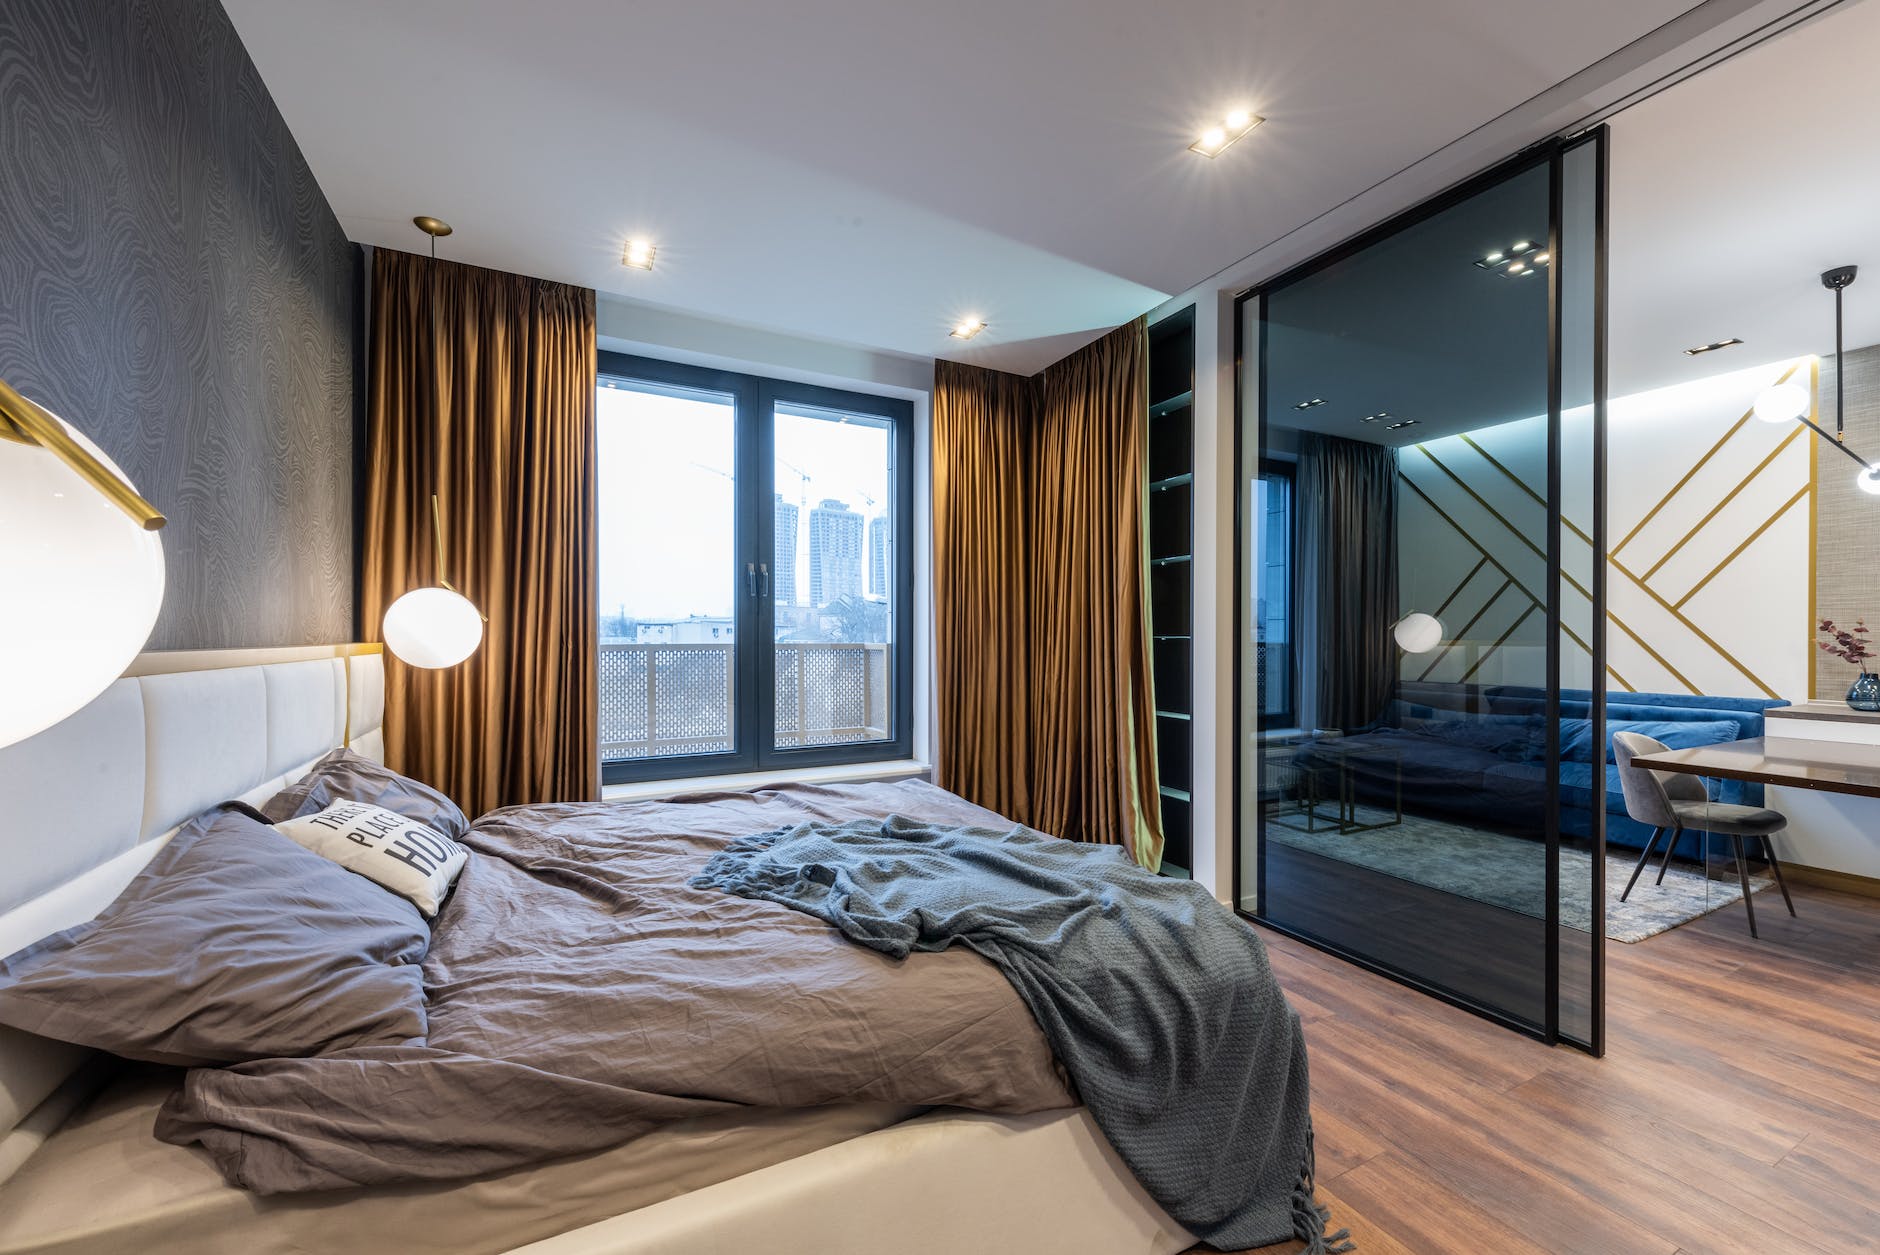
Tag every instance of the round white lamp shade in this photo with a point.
(1418, 633)
(1782, 403)
(433, 627)
(82, 582)
(1869, 479)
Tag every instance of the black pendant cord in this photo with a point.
(1840, 375)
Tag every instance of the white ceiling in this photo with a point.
(1733, 191)
(868, 171)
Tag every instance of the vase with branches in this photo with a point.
(1852, 645)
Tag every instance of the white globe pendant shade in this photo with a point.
(1868, 481)
(81, 581)
(1418, 633)
(433, 627)
(1782, 403)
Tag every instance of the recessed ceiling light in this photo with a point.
(1306, 405)
(1372, 418)
(967, 328)
(1518, 258)
(1216, 140)
(638, 254)
(1402, 422)
(1712, 347)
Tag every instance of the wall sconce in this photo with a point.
(82, 566)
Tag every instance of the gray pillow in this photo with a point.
(343, 776)
(233, 944)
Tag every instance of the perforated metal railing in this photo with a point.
(662, 700)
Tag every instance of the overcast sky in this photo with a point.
(667, 546)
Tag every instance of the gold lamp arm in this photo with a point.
(26, 423)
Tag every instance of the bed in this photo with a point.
(92, 800)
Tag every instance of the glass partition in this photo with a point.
(1420, 609)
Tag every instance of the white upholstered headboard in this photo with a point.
(89, 801)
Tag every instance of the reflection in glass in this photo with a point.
(833, 577)
(1416, 766)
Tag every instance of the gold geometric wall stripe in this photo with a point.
(1730, 496)
(1675, 610)
(1499, 642)
(1694, 630)
(1803, 491)
(1516, 532)
(1457, 590)
(1691, 474)
(1462, 633)
(1522, 484)
(1491, 560)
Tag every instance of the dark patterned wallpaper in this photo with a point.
(174, 284)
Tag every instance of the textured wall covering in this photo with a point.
(173, 282)
(1847, 561)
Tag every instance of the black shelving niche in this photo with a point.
(1171, 575)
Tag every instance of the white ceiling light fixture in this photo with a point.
(967, 328)
(639, 254)
(435, 626)
(1712, 347)
(1418, 633)
(81, 564)
(1788, 402)
(1216, 140)
(1306, 405)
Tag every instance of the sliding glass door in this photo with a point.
(754, 575)
(1420, 615)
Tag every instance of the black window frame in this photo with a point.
(755, 398)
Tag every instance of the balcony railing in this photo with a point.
(661, 700)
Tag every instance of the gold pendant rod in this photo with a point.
(26, 423)
(437, 534)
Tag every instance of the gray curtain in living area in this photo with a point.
(1346, 515)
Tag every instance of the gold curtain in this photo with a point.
(482, 391)
(1041, 577)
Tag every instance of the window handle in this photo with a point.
(764, 570)
(750, 577)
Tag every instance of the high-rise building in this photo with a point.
(835, 552)
(783, 561)
(880, 555)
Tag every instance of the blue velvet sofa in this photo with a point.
(1476, 753)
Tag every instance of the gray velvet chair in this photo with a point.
(1674, 801)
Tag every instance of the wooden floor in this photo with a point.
(1737, 1109)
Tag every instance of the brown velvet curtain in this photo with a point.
(482, 390)
(1041, 577)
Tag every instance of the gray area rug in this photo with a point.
(1510, 872)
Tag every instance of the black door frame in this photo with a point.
(1550, 154)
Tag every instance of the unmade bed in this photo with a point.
(755, 1117)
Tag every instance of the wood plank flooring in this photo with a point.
(1737, 1111)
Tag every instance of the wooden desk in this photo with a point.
(1822, 765)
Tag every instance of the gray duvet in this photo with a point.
(579, 992)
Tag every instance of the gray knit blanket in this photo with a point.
(1157, 1000)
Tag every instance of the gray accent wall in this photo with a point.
(1847, 520)
(174, 284)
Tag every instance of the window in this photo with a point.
(1273, 623)
(754, 585)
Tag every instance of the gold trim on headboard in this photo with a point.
(171, 661)
(174, 661)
